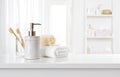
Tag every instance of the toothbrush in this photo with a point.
(20, 35)
(11, 31)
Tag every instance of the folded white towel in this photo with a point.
(54, 51)
(61, 52)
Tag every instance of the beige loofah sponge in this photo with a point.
(47, 40)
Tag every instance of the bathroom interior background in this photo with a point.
(65, 19)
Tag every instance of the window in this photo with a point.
(58, 23)
(57, 20)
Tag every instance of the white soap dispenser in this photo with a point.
(32, 44)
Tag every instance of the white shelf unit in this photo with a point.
(98, 27)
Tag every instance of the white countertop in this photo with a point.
(73, 61)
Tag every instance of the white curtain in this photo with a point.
(2, 25)
(20, 13)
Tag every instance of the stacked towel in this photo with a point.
(49, 48)
(55, 51)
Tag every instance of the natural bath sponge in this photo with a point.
(47, 40)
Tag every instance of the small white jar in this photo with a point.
(32, 47)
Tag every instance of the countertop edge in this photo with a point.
(59, 66)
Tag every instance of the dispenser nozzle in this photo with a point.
(32, 32)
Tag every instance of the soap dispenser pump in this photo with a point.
(32, 44)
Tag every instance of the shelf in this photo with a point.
(98, 25)
(99, 15)
(100, 37)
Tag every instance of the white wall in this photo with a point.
(116, 25)
(78, 26)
